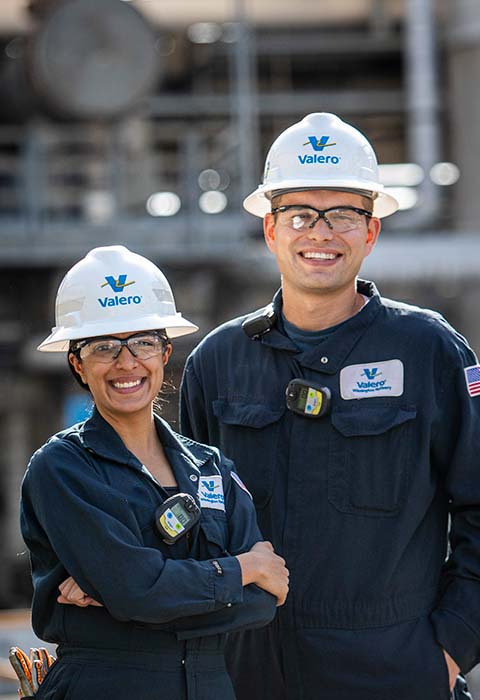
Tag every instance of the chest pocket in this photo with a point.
(249, 436)
(212, 538)
(370, 458)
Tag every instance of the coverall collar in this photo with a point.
(330, 355)
(97, 435)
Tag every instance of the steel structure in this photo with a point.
(225, 89)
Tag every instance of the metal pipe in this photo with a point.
(423, 110)
(245, 95)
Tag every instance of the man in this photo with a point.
(357, 468)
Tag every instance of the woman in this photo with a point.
(95, 518)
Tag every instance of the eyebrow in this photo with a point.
(362, 210)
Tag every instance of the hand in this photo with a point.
(453, 669)
(72, 594)
(266, 569)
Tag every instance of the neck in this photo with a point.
(139, 435)
(314, 311)
(137, 430)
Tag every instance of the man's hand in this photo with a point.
(453, 669)
(72, 594)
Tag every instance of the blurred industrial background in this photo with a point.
(146, 122)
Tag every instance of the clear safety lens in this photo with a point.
(342, 220)
(304, 218)
(108, 349)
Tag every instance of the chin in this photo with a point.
(127, 408)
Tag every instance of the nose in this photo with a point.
(126, 358)
(320, 231)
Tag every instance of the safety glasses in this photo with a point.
(298, 217)
(107, 348)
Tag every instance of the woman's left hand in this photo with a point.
(72, 594)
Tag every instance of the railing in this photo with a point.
(65, 187)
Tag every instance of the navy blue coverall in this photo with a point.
(357, 502)
(87, 511)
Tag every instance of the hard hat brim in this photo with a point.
(59, 339)
(259, 204)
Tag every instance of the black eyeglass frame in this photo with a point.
(321, 212)
(76, 348)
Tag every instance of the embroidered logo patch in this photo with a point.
(472, 377)
(364, 381)
(210, 492)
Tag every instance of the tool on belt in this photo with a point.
(30, 670)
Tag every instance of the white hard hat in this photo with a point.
(321, 152)
(112, 290)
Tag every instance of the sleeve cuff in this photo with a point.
(227, 580)
(457, 638)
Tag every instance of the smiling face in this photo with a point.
(318, 259)
(126, 385)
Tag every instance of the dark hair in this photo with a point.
(72, 369)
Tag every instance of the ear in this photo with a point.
(269, 231)
(166, 354)
(373, 231)
(77, 366)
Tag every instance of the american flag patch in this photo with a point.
(472, 376)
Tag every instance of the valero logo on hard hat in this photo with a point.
(118, 285)
(318, 144)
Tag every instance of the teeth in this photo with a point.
(320, 256)
(126, 385)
